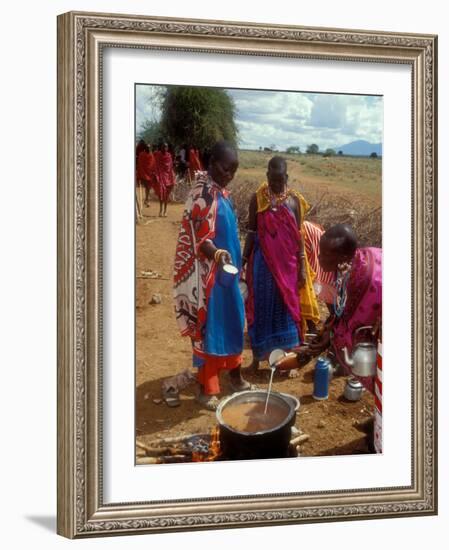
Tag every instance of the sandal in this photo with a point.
(238, 383)
(171, 397)
(244, 385)
(209, 402)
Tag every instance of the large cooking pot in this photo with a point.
(269, 443)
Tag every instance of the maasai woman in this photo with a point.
(165, 177)
(278, 274)
(194, 162)
(141, 145)
(207, 311)
(146, 171)
(358, 299)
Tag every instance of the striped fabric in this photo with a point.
(324, 282)
(378, 402)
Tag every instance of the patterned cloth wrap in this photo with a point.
(194, 274)
(308, 304)
(363, 306)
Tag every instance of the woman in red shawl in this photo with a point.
(165, 177)
(146, 171)
(194, 162)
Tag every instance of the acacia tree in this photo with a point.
(199, 116)
(150, 132)
(312, 149)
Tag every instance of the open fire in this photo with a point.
(186, 448)
(211, 451)
(195, 448)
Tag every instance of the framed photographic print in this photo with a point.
(246, 274)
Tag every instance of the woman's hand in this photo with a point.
(321, 342)
(224, 258)
(220, 256)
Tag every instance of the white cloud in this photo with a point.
(289, 118)
(266, 118)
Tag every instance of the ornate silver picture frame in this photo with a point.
(82, 509)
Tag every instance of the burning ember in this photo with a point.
(209, 451)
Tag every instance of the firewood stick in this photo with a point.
(141, 197)
(171, 459)
(300, 439)
(314, 208)
(153, 278)
(161, 451)
(180, 439)
(152, 451)
(138, 210)
(169, 451)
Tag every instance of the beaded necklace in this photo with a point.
(341, 296)
(276, 199)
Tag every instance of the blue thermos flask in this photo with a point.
(321, 379)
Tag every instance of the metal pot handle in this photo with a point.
(357, 330)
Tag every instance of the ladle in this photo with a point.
(275, 356)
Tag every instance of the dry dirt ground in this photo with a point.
(161, 353)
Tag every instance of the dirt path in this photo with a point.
(161, 353)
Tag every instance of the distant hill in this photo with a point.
(360, 148)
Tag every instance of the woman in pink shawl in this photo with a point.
(165, 177)
(358, 299)
(274, 252)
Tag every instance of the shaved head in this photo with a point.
(222, 149)
(223, 163)
(338, 244)
(277, 174)
(277, 164)
(341, 238)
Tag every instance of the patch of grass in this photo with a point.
(342, 189)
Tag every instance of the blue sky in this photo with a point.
(283, 119)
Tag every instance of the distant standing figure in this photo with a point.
(194, 162)
(139, 148)
(182, 162)
(165, 177)
(146, 171)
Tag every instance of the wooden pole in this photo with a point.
(141, 198)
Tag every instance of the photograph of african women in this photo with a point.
(258, 271)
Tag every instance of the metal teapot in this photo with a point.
(353, 389)
(364, 356)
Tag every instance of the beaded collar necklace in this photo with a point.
(277, 199)
(341, 296)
